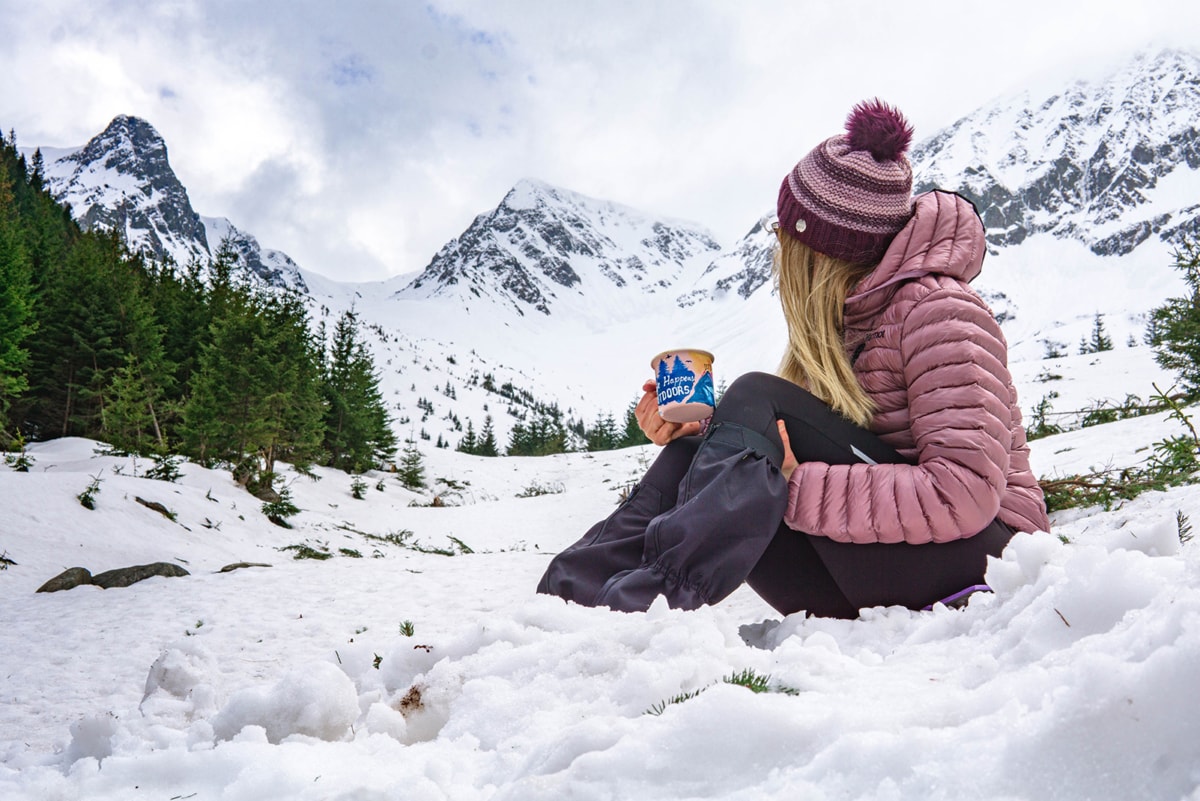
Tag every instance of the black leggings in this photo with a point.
(826, 578)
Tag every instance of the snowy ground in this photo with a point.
(295, 682)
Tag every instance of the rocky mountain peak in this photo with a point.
(544, 247)
(122, 180)
(129, 145)
(1100, 162)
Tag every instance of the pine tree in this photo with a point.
(603, 435)
(1174, 329)
(37, 171)
(487, 439)
(256, 396)
(1099, 341)
(543, 435)
(131, 419)
(412, 466)
(358, 433)
(90, 306)
(519, 443)
(135, 412)
(468, 444)
(16, 302)
(632, 433)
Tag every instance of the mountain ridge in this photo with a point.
(1087, 180)
(542, 244)
(122, 179)
(570, 295)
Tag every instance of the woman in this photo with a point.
(884, 463)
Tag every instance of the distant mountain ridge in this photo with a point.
(544, 245)
(568, 296)
(1109, 163)
(122, 180)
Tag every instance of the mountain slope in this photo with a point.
(122, 180)
(549, 250)
(1084, 191)
(1109, 163)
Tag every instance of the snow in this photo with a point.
(295, 681)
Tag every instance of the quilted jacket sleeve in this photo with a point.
(953, 363)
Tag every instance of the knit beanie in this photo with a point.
(853, 192)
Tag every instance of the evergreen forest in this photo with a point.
(154, 358)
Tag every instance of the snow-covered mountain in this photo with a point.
(122, 180)
(549, 250)
(1110, 163)
(1085, 191)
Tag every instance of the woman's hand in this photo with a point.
(658, 430)
(789, 458)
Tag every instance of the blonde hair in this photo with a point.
(813, 288)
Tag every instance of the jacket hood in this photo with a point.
(944, 237)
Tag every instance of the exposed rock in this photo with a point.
(123, 577)
(238, 565)
(156, 506)
(68, 579)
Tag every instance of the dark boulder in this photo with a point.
(68, 579)
(123, 577)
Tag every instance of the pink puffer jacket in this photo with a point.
(933, 359)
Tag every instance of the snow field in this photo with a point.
(294, 681)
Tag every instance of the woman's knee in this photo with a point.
(749, 387)
(749, 400)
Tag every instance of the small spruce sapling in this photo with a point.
(1100, 340)
(412, 467)
(279, 511)
(166, 468)
(87, 498)
(1174, 328)
(1038, 425)
(1183, 526)
(19, 460)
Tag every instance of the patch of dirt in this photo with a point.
(411, 702)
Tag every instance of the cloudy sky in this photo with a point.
(359, 137)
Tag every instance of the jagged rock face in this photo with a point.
(122, 180)
(542, 245)
(271, 267)
(1094, 163)
(743, 269)
(154, 211)
(1087, 164)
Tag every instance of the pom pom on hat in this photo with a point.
(852, 193)
(879, 129)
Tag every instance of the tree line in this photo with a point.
(154, 358)
(545, 430)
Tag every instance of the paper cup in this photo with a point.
(685, 384)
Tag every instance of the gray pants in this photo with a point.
(708, 516)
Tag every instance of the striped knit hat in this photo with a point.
(853, 192)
